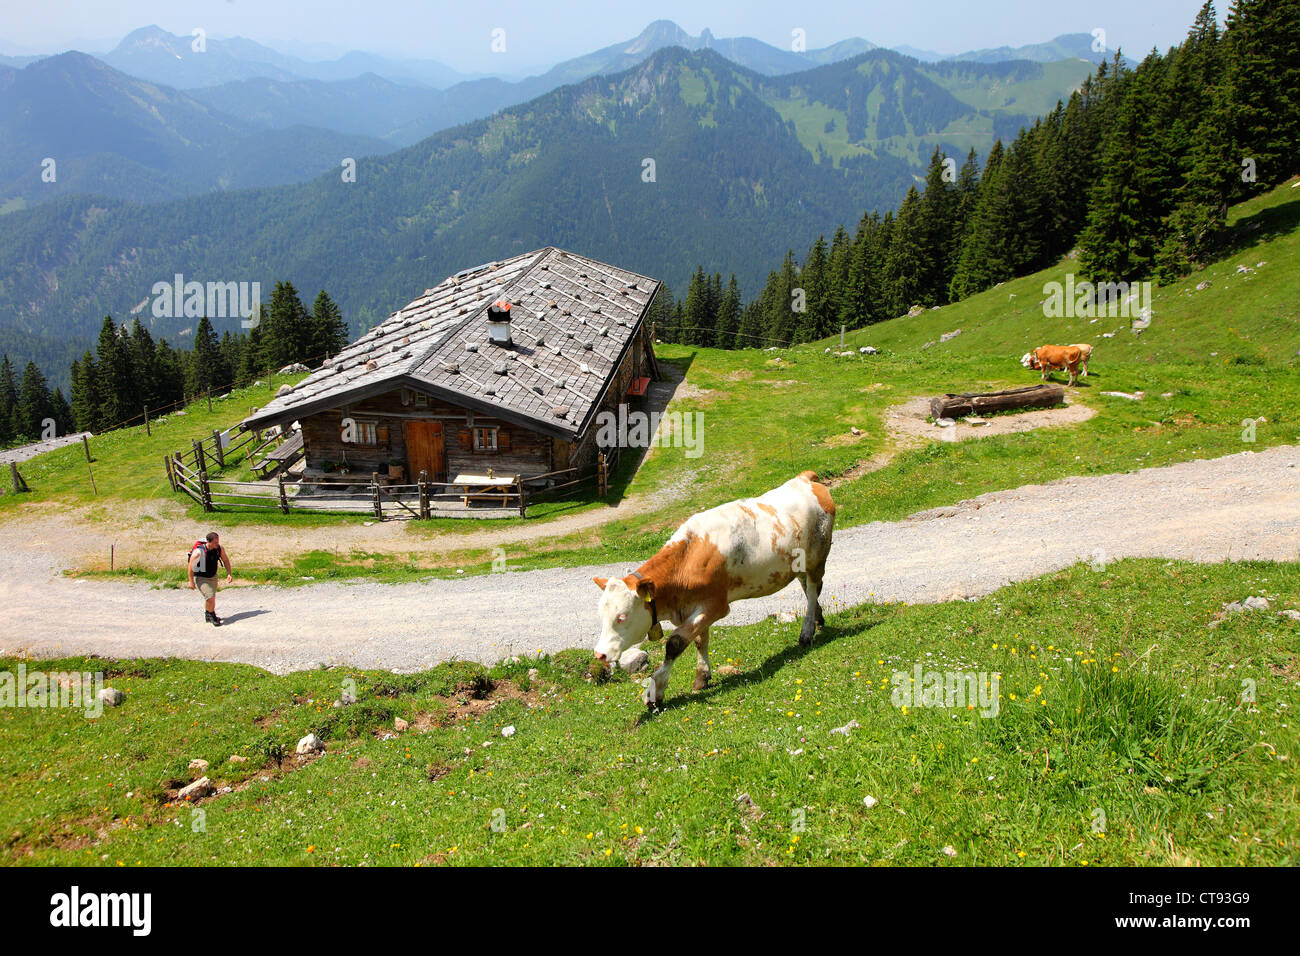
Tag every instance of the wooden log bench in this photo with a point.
(962, 404)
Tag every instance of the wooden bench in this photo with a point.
(485, 487)
(280, 458)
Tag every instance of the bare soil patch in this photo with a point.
(907, 426)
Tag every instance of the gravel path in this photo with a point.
(1240, 507)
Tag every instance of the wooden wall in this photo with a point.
(529, 453)
(519, 449)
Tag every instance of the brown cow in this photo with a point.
(1050, 357)
(743, 549)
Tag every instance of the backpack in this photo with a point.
(190, 554)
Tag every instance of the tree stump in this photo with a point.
(976, 403)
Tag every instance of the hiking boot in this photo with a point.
(207, 617)
(216, 621)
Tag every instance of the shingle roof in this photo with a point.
(571, 319)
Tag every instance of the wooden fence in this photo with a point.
(210, 450)
(422, 500)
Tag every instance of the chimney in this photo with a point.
(498, 322)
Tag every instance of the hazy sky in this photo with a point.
(543, 33)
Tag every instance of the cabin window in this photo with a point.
(367, 433)
(485, 439)
(421, 400)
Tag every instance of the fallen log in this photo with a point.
(976, 403)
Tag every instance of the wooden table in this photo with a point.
(491, 484)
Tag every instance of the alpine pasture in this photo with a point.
(1128, 730)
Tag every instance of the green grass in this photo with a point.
(1221, 356)
(1115, 701)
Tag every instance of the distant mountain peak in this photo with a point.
(660, 33)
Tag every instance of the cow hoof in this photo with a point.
(701, 682)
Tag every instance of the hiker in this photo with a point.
(203, 573)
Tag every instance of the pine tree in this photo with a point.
(660, 315)
(8, 401)
(35, 411)
(287, 333)
(837, 272)
(697, 320)
(905, 262)
(85, 394)
(1124, 207)
(115, 388)
(1263, 86)
(252, 358)
(329, 330)
(753, 323)
(62, 413)
(144, 365)
(171, 375)
(729, 315)
(936, 233)
(815, 282)
(205, 372)
(786, 303)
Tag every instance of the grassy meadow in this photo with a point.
(1210, 360)
(1126, 733)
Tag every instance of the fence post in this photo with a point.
(216, 446)
(205, 492)
(523, 501)
(85, 444)
(374, 491)
(423, 482)
(17, 479)
(284, 498)
(208, 393)
(147, 429)
(602, 476)
(171, 476)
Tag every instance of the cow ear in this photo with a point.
(645, 590)
(601, 582)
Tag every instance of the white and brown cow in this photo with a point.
(1047, 358)
(743, 549)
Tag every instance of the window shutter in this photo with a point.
(466, 439)
(503, 440)
(381, 435)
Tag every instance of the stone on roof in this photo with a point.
(571, 321)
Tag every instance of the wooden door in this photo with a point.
(424, 450)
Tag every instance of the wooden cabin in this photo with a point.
(505, 366)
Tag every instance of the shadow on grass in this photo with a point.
(769, 668)
(1258, 228)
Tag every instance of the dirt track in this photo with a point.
(1242, 506)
